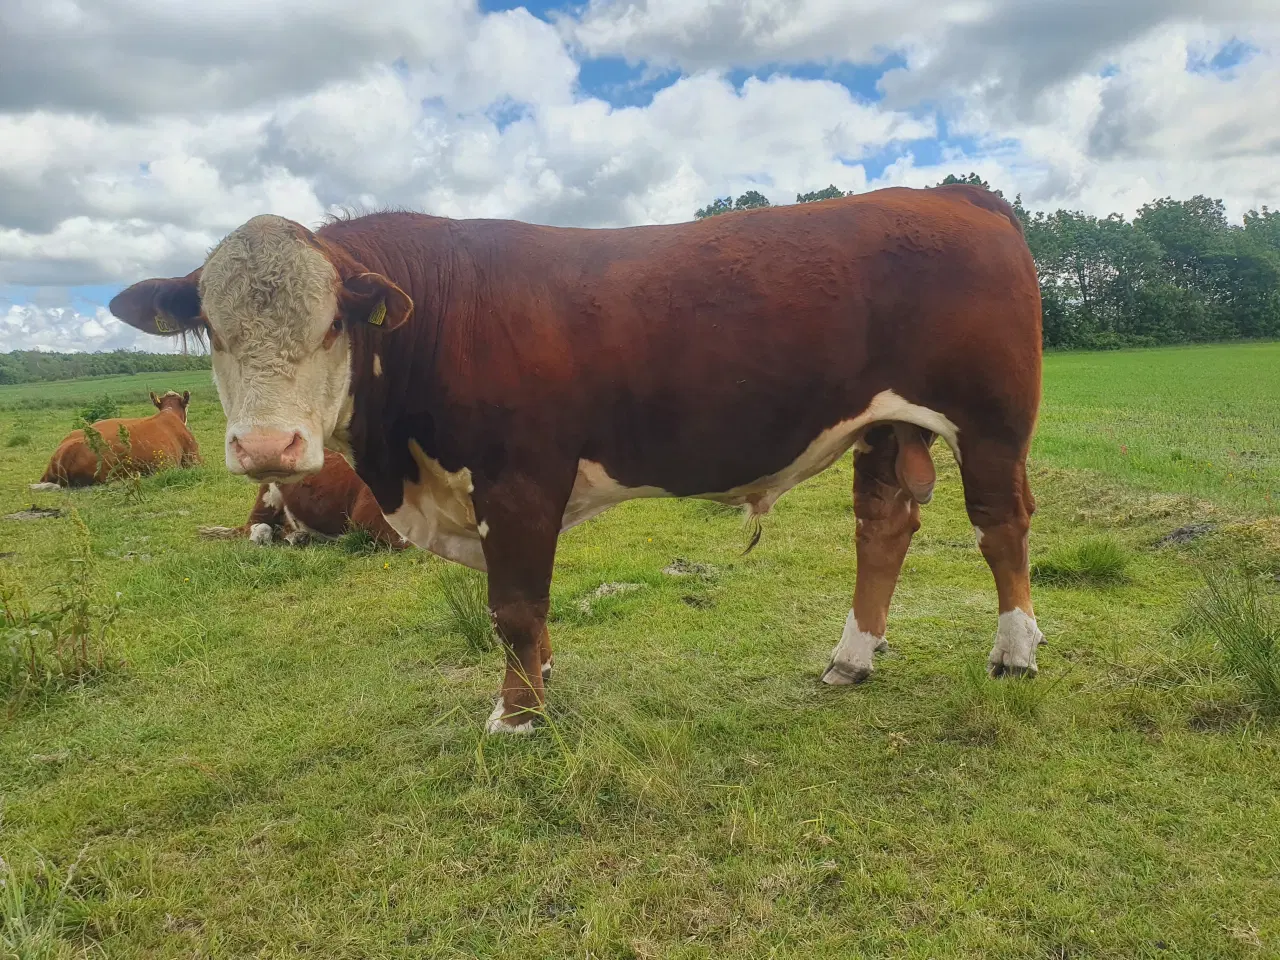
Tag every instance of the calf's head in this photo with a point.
(277, 304)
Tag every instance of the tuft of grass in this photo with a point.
(34, 908)
(357, 542)
(63, 646)
(466, 600)
(1245, 627)
(19, 439)
(1099, 561)
(987, 711)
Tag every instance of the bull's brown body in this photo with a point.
(508, 380)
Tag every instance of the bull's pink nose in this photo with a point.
(262, 451)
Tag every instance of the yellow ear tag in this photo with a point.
(379, 313)
(163, 325)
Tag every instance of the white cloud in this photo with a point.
(28, 327)
(171, 125)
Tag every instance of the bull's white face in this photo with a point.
(277, 303)
(281, 361)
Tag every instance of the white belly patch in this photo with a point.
(438, 515)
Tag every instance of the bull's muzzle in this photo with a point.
(268, 454)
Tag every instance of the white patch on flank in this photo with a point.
(44, 487)
(497, 725)
(594, 492)
(377, 365)
(261, 534)
(852, 660)
(437, 513)
(273, 497)
(978, 534)
(483, 529)
(758, 497)
(1017, 637)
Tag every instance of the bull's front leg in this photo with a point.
(519, 521)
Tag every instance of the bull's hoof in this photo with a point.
(853, 659)
(546, 670)
(998, 670)
(519, 722)
(1014, 653)
(839, 674)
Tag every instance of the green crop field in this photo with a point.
(282, 752)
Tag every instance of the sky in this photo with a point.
(134, 134)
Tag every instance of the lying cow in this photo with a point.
(325, 504)
(498, 382)
(148, 444)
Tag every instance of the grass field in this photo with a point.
(290, 760)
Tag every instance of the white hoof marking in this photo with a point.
(261, 534)
(546, 667)
(497, 725)
(852, 660)
(1017, 637)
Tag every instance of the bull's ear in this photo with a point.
(161, 307)
(186, 397)
(372, 298)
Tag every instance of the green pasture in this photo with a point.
(284, 754)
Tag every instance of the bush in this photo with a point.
(1245, 627)
(1101, 561)
(104, 408)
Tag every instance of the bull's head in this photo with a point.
(276, 303)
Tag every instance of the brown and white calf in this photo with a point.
(325, 504)
(153, 443)
(497, 382)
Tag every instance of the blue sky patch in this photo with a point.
(1231, 54)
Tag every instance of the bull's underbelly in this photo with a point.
(437, 513)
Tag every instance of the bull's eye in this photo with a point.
(331, 335)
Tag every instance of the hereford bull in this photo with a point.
(147, 444)
(326, 504)
(498, 382)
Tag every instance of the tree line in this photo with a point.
(1178, 272)
(35, 366)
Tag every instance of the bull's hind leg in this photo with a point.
(887, 517)
(998, 499)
